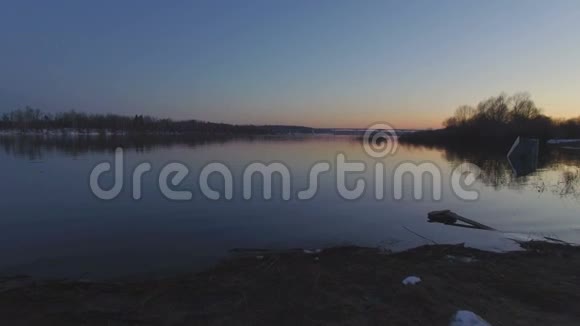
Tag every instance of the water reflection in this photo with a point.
(35, 147)
(496, 170)
(562, 165)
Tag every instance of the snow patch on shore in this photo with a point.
(467, 318)
(411, 280)
(563, 141)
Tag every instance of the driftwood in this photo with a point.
(450, 218)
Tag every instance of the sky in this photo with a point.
(316, 63)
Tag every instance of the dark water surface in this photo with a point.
(52, 225)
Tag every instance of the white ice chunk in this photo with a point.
(411, 280)
(467, 318)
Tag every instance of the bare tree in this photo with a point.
(494, 109)
(464, 114)
(523, 108)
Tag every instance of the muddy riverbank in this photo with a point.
(336, 286)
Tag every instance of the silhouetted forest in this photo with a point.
(498, 119)
(29, 119)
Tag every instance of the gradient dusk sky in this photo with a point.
(315, 63)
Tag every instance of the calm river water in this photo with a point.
(52, 225)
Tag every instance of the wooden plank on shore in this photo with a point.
(450, 218)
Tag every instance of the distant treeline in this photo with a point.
(498, 119)
(29, 119)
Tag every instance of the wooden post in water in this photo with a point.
(523, 156)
